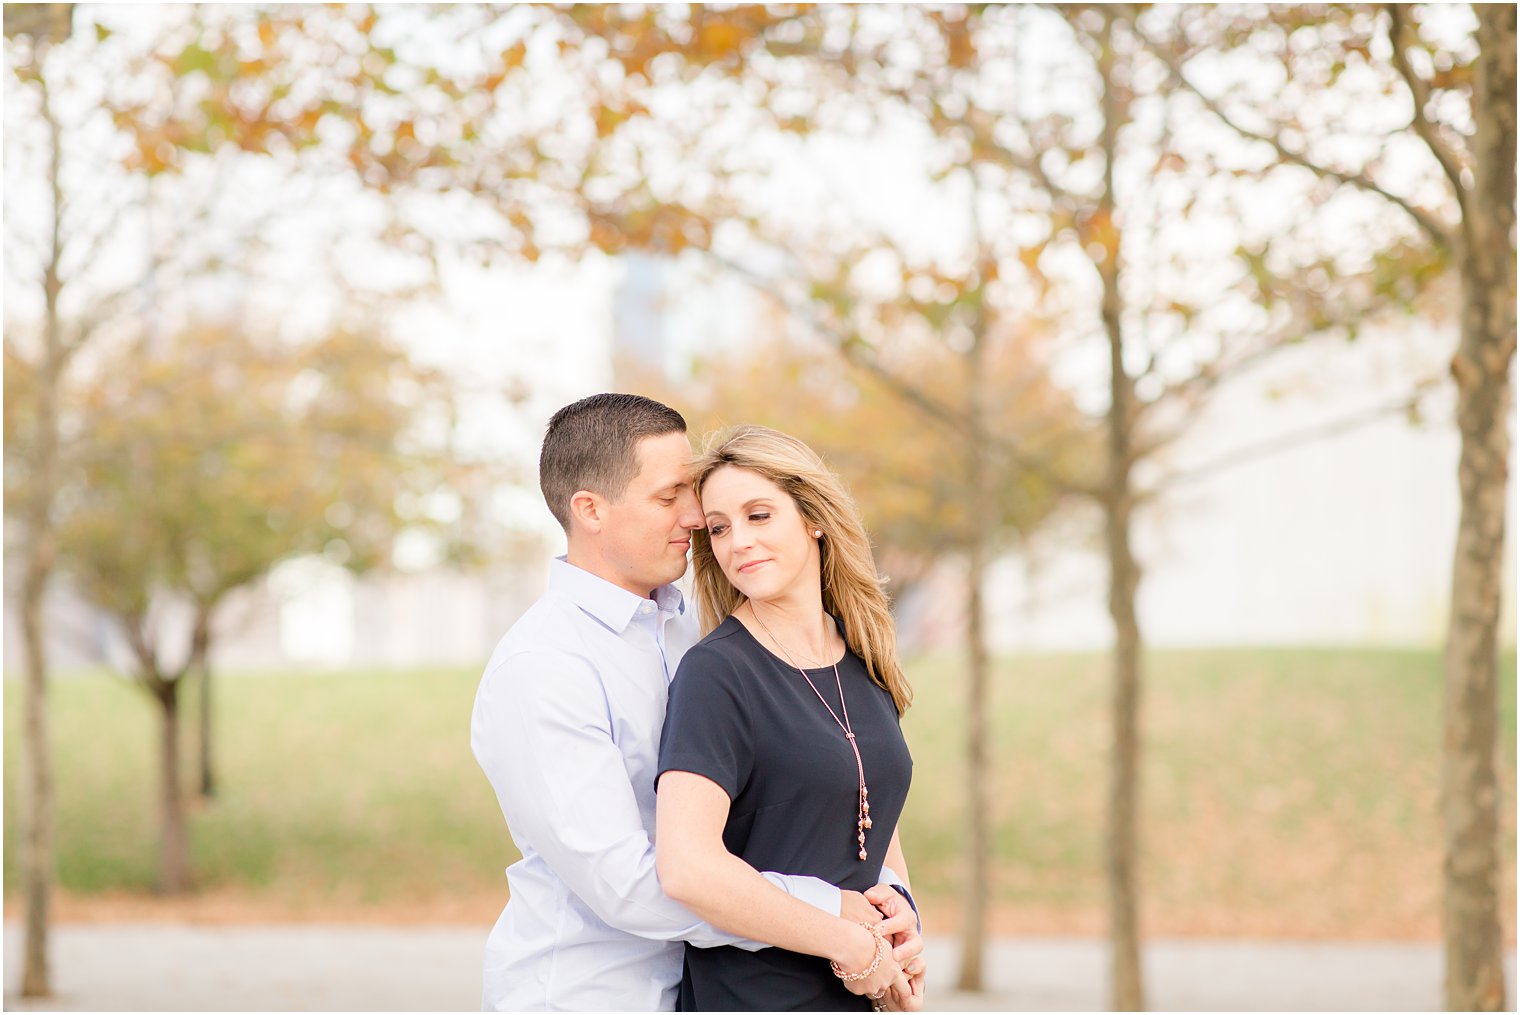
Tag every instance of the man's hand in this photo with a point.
(858, 909)
(907, 996)
(900, 926)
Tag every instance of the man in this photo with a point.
(566, 726)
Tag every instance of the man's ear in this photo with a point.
(588, 510)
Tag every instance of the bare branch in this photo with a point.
(1438, 231)
(85, 326)
(979, 127)
(23, 258)
(1214, 373)
(1404, 405)
(140, 641)
(862, 355)
(1419, 92)
(89, 243)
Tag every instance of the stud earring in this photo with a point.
(817, 533)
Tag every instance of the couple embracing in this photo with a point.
(705, 795)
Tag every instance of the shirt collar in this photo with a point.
(608, 603)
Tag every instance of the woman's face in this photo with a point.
(759, 537)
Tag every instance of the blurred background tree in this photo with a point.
(1458, 76)
(32, 32)
(212, 458)
(134, 200)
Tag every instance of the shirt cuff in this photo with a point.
(817, 893)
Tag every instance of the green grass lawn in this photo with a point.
(1284, 791)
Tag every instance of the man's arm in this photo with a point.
(541, 732)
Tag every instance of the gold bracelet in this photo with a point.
(881, 947)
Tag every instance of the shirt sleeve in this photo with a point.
(542, 733)
(707, 723)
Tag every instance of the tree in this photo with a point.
(915, 508)
(36, 29)
(215, 457)
(1113, 191)
(1459, 83)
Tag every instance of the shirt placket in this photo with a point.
(658, 621)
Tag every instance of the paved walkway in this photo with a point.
(166, 967)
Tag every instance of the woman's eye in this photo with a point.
(716, 530)
(761, 517)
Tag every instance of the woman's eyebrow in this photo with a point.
(747, 505)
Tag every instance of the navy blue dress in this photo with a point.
(747, 720)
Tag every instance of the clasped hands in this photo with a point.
(899, 980)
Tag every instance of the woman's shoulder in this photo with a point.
(723, 645)
(714, 666)
(725, 636)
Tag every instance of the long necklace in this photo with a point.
(863, 811)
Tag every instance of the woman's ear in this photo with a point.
(587, 511)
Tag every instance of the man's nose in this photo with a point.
(691, 512)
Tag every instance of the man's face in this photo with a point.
(647, 532)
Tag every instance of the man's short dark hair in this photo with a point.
(592, 445)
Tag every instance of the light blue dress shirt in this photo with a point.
(566, 726)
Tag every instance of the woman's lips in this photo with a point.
(751, 566)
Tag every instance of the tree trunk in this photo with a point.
(37, 780)
(1124, 574)
(978, 884)
(37, 783)
(1124, 790)
(173, 853)
(200, 665)
(1469, 782)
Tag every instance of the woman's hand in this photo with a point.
(911, 999)
(868, 950)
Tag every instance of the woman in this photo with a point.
(781, 748)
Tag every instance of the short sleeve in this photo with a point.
(707, 724)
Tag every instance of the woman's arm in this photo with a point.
(697, 870)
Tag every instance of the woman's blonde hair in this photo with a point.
(852, 590)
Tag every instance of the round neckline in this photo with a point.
(827, 668)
